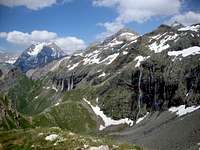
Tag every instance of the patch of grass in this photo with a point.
(35, 139)
(68, 115)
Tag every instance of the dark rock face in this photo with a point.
(38, 55)
(1, 73)
(125, 89)
(9, 117)
(9, 76)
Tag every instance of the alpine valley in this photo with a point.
(141, 90)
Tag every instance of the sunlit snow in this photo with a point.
(37, 49)
(73, 66)
(140, 59)
(186, 52)
(102, 75)
(124, 52)
(108, 121)
(182, 110)
(142, 118)
(191, 28)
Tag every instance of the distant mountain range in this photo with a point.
(8, 57)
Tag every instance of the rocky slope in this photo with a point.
(38, 55)
(8, 76)
(57, 139)
(9, 117)
(118, 81)
(152, 72)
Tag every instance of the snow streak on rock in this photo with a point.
(108, 121)
(186, 52)
(182, 110)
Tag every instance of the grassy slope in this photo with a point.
(24, 94)
(72, 116)
(35, 139)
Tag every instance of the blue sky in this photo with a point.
(74, 24)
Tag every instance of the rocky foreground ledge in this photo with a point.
(57, 139)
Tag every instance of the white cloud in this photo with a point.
(3, 34)
(137, 10)
(186, 18)
(69, 44)
(42, 35)
(31, 4)
(111, 28)
(140, 10)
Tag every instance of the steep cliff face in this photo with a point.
(130, 75)
(8, 76)
(9, 117)
(148, 73)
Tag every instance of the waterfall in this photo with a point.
(62, 87)
(68, 85)
(140, 92)
(72, 81)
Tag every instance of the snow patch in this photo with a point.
(186, 52)
(46, 87)
(114, 43)
(57, 104)
(128, 36)
(157, 48)
(102, 75)
(73, 66)
(37, 49)
(11, 61)
(182, 110)
(92, 58)
(140, 59)
(142, 118)
(108, 121)
(191, 28)
(54, 88)
(110, 59)
(124, 52)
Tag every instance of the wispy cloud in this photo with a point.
(111, 27)
(137, 10)
(30, 4)
(68, 43)
(186, 18)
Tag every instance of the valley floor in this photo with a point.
(164, 131)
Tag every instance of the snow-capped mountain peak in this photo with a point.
(121, 36)
(38, 54)
(177, 25)
(35, 49)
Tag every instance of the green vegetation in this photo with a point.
(35, 139)
(29, 97)
(68, 115)
(10, 118)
